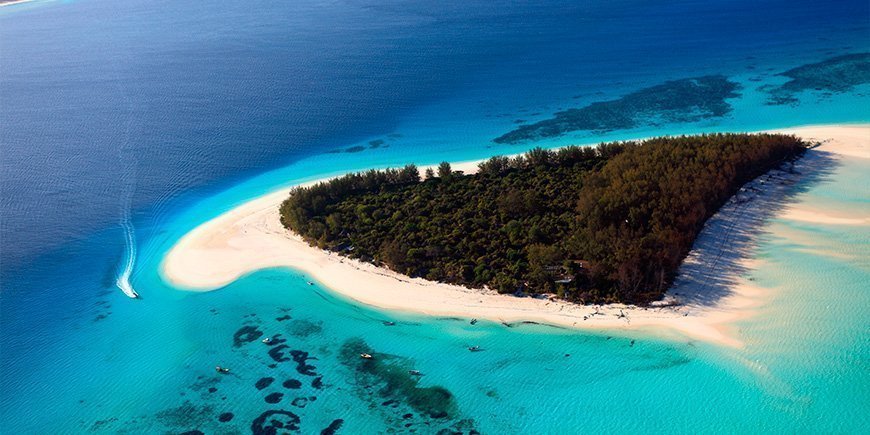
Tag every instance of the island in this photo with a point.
(601, 224)
(712, 292)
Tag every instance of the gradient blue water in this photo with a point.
(193, 108)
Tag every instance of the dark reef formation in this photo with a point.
(274, 422)
(186, 415)
(301, 359)
(292, 384)
(677, 101)
(392, 383)
(317, 383)
(246, 334)
(277, 353)
(838, 74)
(333, 427)
(304, 328)
(274, 397)
(264, 382)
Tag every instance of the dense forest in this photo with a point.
(593, 224)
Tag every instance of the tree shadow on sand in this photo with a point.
(730, 237)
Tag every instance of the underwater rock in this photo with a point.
(225, 417)
(246, 334)
(837, 74)
(274, 397)
(333, 427)
(99, 424)
(317, 383)
(293, 384)
(676, 101)
(277, 353)
(205, 383)
(301, 358)
(276, 340)
(273, 421)
(395, 385)
(264, 382)
(185, 415)
(304, 328)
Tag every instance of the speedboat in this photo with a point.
(266, 340)
(388, 323)
(220, 369)
(365, 356)
(415, 372)
(474, 349)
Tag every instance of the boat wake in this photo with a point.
(123, 281)
(129, 183)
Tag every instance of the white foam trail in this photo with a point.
(123, 281)
(128, 182)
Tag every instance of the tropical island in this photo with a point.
(601, 224)
(711, 293)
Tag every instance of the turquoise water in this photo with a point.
(137, 109)
(803, 370)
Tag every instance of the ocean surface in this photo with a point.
(125, 124)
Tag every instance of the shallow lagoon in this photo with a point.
(800, 369)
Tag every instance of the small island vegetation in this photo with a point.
(610, 223)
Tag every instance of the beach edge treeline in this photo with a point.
(609, 223)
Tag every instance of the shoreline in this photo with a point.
(15, 2)
(250, 237)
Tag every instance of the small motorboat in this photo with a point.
(365, 356)
(310, 283)
(415, 373)
(473, 321)
(220, 369)
(388, 323)
(266, 340)
(474, 349)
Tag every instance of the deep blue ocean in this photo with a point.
(163, 114)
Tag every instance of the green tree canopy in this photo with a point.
(596, 224)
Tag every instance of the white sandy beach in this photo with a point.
(14, 2)
(712, 294)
